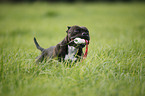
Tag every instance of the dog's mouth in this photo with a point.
(78, 42)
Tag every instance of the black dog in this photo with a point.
(66, 49)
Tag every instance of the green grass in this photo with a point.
(115, 65)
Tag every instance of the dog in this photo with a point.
(66, 49)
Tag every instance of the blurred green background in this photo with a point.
(115, 63)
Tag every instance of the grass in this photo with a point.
(115, 65)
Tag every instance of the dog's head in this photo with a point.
(77, 32)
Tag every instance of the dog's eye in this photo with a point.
(76, 31)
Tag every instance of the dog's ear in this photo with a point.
(68, 27)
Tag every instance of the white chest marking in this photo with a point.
(71, 53)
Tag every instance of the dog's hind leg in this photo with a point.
(40, 59)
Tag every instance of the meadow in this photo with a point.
(115, 65)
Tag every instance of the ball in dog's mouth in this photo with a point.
(78, 42)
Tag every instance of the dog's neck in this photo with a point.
(64, 42)
(72, 51)
(69, 52)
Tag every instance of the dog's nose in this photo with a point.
(84, 34)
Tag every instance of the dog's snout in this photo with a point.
(84, 34)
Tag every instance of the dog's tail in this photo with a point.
(37, 45)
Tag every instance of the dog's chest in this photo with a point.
(71, 53)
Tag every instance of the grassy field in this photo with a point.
(115, 65)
